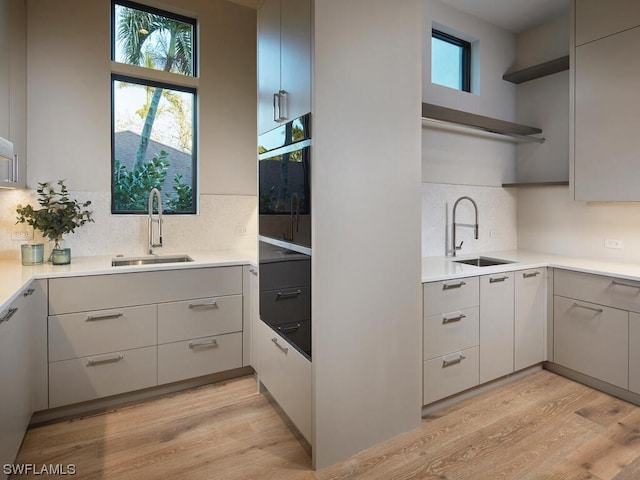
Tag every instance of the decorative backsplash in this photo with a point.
(225, 222)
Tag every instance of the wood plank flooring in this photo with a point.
(541, 427)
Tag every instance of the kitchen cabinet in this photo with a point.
(634, 352)
(21, 332)
(595, 19)
(286, 373)
(529, 318)
(496, 325)
(606, 113)
(13, 90)
(284, 62)
(592, 325)
(111, 334)
(450, 337)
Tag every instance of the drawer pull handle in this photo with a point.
(211, 304)
(10, 313)
(284, 349)
(28, 292)
(530, 274)
(449, 286)
(288, 294)
(623, 284)
(93, 363)
(208, 343)
(448, 363)
(289, 329)
(457, 318)
(106, 316)
(586, 307)
(497, 279)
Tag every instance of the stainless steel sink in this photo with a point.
(149, 260)
(483, 261)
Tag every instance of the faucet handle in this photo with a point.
(459, 247)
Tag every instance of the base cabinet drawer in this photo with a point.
(450, 374)
(88, 378)
(450, 332)
(199, 318)
(450, 295)
(197, 357)
(592, 339)
(287, 376)
(92, 333)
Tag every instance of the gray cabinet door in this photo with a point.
(529, 321)
(496, 325)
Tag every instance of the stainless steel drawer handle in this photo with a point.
(28, 292)
(449, 286)
(457, 318)
(448, 363)
(586, 307)
(93, 363)
(288, 294)
(210, 304)
(530, 274)
(10, 313)
(208, 343)
(284, 349)
(623, 284)
(289, 329)
(497, 279)
(106, 316)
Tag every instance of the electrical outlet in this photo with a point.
(612, 243)
(493, 233)
(21, 236)
(241, 230)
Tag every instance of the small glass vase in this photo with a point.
(32, 254)
(60, 255)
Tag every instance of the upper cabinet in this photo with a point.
(13, 91)
(606, 113)
(595, 19)
(284, 62)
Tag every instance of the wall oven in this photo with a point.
(284, 227)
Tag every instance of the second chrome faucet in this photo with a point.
(154, 193)
(454, 224)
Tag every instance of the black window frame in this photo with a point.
(156, 11)
(465, 73)
(145, 80)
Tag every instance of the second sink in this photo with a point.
(483, 261)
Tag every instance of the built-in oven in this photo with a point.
(284, 226)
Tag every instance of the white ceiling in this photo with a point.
(512, 15)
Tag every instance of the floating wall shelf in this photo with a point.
(437, 113)
(537, 71)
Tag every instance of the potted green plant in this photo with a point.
(57, 216)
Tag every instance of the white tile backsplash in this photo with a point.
(496, 218)
(215, 228)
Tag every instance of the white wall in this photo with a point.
(367, 327)
(462, 156)
(69, 125)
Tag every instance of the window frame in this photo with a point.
(465, 71)
(126, 72)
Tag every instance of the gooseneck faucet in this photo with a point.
(155, 192)
(455, 247)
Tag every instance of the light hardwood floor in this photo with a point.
(540, 427)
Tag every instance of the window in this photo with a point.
(153, 92)
(450, 61)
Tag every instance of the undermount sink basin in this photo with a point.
(483, 261)
(150, 260)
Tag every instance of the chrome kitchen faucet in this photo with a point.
(455, 247)
(154, 192)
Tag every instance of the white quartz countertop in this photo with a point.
(445, 268)
(14, 277)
